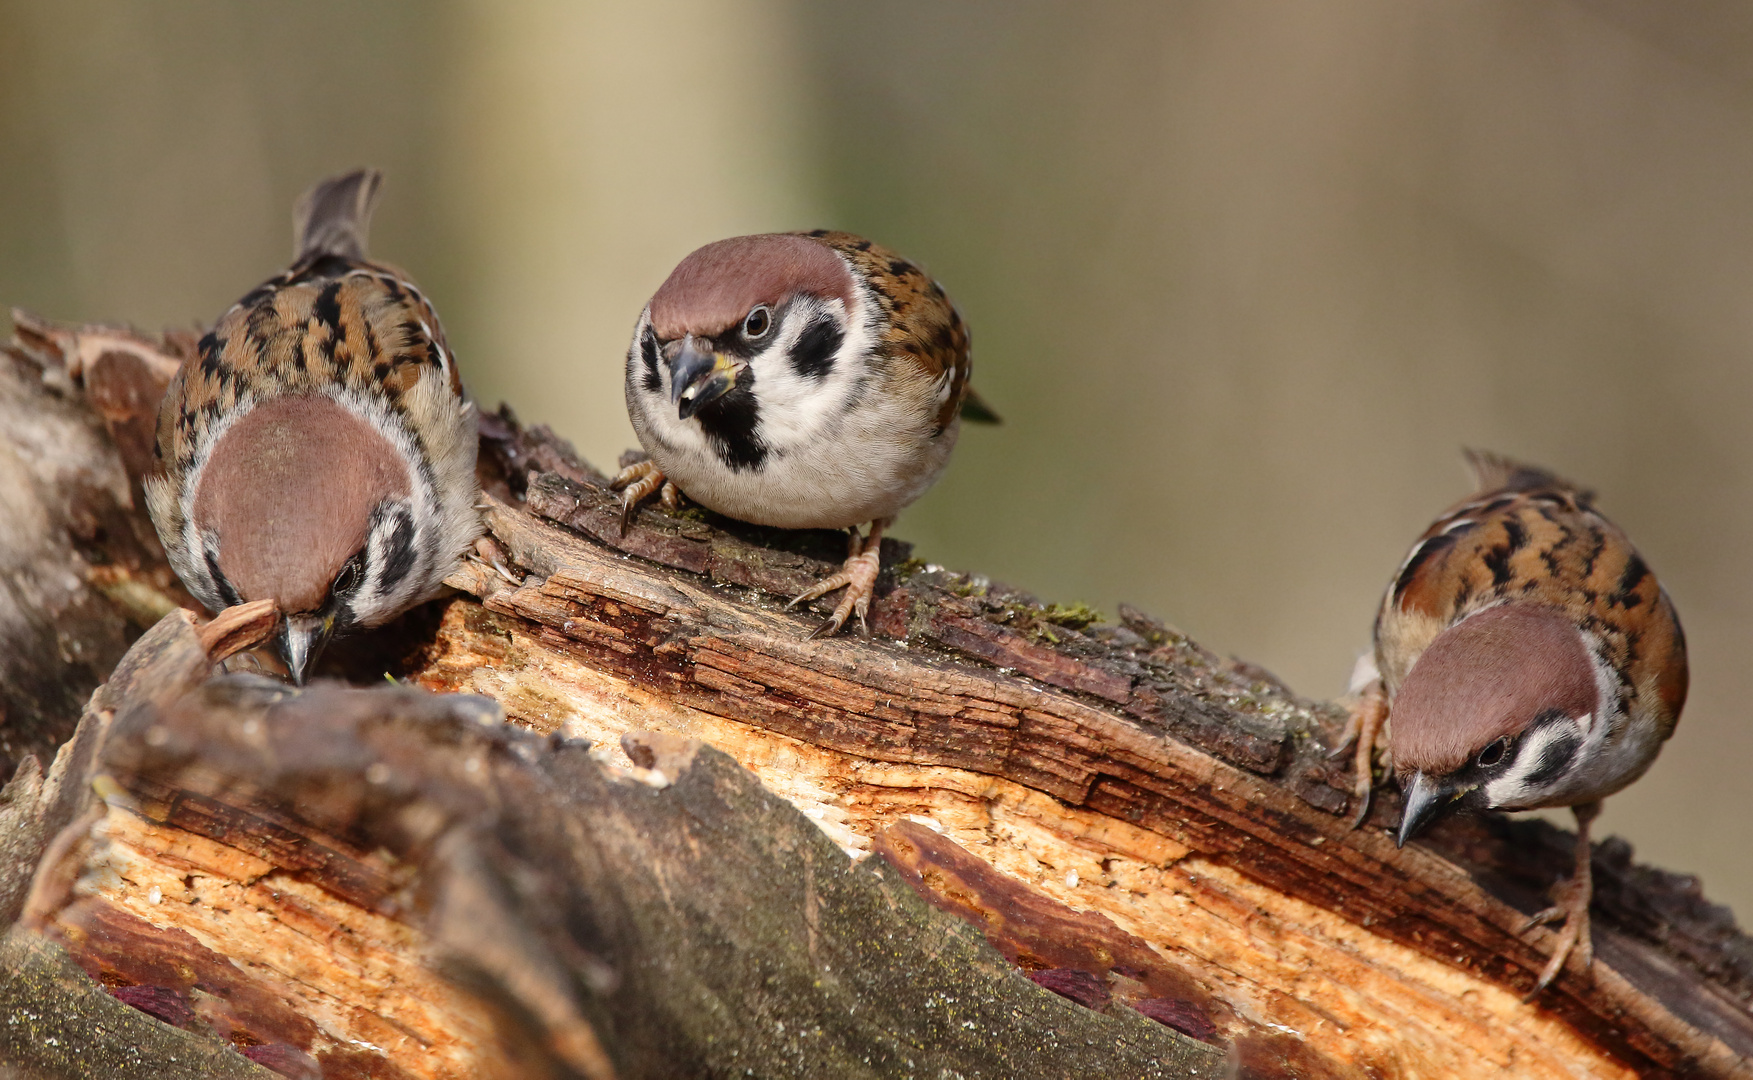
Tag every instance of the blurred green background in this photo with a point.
(1242, 277)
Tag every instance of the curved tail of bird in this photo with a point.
(333, 216)
(1494, 472)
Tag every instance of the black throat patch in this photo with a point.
(730, 424)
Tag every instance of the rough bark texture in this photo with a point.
(59, 1023)
(1150, 839)
(71, 545)
(395, 882)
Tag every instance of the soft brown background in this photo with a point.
(1243, 277)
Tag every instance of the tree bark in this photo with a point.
(1149, 841)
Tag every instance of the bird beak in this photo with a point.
(301, 641)
(1425, 801)
(698, 376)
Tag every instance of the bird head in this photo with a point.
(749, 342)
(1496, 714)
(307, 503)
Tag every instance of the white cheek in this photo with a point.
(1516, 788)
(796, 408)
(636, 362)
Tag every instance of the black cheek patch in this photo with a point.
(227, 591)
(398, 552)
(813, 353)
(648, 355)
(1555, 757)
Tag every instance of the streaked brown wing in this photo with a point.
(1541, 541)
(327, 320)
(924, 327)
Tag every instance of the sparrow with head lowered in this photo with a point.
(318, 450)
(799, 380)
(1527, 658)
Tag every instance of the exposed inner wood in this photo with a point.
(858, 737)
(388, 883)
(314, 971)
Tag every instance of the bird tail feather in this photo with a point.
(333, 216)
(975, 409)
(1496, 472)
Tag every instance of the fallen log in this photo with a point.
(1151, 838)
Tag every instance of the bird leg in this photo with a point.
(1573, 898)
(636, 483)
(1363, 728)
(858, 577)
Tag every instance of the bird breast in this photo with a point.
(878, 455)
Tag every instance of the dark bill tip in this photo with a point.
(1425, 801)
(301, 641)
(699, 376)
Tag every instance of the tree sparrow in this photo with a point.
(1527, 658)
(318, 450)
(799, 380)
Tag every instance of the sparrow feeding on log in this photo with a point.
(803, 381)
(1525, 657)
(317, 450)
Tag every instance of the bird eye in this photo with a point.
(1494, 753)
(757, 321)
(348, 579)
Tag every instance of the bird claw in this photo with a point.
(830, 626)
(1363, 797)
(636, 483)
(1347, 740)
(852, 603)
(821, 588)
(857, 577)
(488, 554)
(1574, 940)
(1363, 727)
(1543, 918)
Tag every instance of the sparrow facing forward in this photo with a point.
(799, 380)
(318, 451)
(1527, 658)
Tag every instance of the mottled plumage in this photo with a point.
(1527, 657)
(800, 380)
(318, 450)
(1529, 537)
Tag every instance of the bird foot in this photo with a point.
(636, 483)
(1574, 940)
(488, 553)
(1364, 725)
(858, 577)
(1573, 896)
